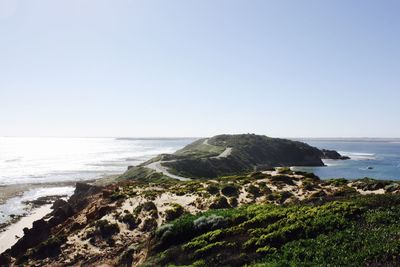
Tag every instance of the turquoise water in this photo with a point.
(374, 158)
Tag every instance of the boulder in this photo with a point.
(78, 200)
(5, 259)
(39, 232)
(97, 213)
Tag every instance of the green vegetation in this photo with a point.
(230, 190)
(372, 184)
(248, 152)
(50, 248)
(282, 180)
(220, 203)
(254, 191)
(175, 212)
(107, 229)
(149, 206)
(145, 175)
(338, 181)
(213, 189)
(117, 195)
(149, 225)
(348, 232)
(130, 220)
(200, 149)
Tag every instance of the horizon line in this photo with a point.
(193, 137)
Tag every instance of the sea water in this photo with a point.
(27, 160)
(374, 158)
(40, 160)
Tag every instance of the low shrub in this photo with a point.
(49, 248)
(230, 190)
(107, 229)
(209, 222)
(149, 225)
(212, 189)
(175, 212)
(233, 202)
(220, 203)
(338, 181)
(149, 206)
(282, 179)
(284, 170)
(130, 220)
(254, 190)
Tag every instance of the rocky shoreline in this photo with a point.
(14, 190)
(31, 206)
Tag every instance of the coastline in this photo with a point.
(9, 191)
(38, 208)
(12, 230)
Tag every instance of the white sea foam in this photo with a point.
(358, 155)
(330, 162)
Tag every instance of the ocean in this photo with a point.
(40, 160)
(373, 158)
(33, 160)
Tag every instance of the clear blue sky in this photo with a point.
(199, 68)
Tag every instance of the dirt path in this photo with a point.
(224, 153)
(159, 168)
(156, 166)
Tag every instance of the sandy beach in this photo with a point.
(14, 231)
(17, 214)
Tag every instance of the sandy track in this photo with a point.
(156, 166)
(159, 168)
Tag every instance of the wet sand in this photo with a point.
(9, 191)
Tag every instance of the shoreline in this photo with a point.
(14, 190)
(14, 231)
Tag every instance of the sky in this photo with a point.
(282, 68)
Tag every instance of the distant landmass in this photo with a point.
(231, 154)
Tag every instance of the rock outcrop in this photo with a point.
(332, 154)
(42, 229)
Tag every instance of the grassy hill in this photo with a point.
(247, 152)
